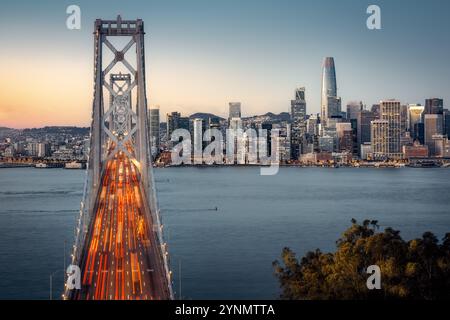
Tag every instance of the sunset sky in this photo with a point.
(202, 54)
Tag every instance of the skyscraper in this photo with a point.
(154, 130)
(434, 106)
(176, 121)
(415, 115)
(172, 123)
(433, 126)
(419, 132)
(268, 129)
(380, 138)
(363, 120)
(43, 149)
(344, 133)
(403, 119)
(447, 123)
(298, 119)
(329, 107)
(197, 140)
(353, 107)
(390, 111)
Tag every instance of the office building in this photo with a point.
(415, 115)
(419, 132)
(363, 123)
(434, 106)
(267, 129)
(447, 123)
(441, 146)
(197, 139)
(353, 107)
(380, 139)
(344, 133)
(433, 126)
(154, 125)
(43, 150)
(326, 143)
(390, 111)
(298, 122)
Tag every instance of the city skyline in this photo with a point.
(214, 62)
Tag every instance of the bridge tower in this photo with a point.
(119, 137)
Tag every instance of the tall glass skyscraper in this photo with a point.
(329, 107)
(298, 118)
(415, 116)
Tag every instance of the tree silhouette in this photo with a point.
(417, 269)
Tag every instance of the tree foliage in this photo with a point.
(416, 269)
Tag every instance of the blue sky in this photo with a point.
(202, 54)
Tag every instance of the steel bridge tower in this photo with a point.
(118, 239)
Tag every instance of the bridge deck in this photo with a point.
(121, 256)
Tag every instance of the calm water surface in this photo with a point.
(223, 253)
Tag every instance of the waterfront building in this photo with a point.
(366, 150)
(416, 150)
(441, 146)
(43, 150)
(380, 138)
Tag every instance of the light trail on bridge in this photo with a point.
(120, 258)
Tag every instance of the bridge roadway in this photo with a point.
(120, 259)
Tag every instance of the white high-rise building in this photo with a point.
(198, 140)
(390, 111)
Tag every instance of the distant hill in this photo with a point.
(272, 117)
(58, 129)
(5, 130)
(283, 116)
(204, 116)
